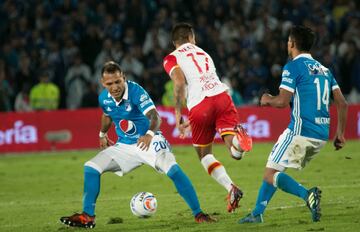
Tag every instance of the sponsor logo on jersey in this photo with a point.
(145, 103)
(322, 120)
(127, 126)
(315, 68)
(143, 97)
(108, 109)
(107, 102)
(288, 80)
(285, 73)
(128, 107)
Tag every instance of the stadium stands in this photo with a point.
(244, 37)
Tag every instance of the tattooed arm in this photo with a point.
(105, 126)
(155, 121)
(179, 95)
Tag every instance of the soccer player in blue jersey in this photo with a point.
(129, 107)
(306, 86)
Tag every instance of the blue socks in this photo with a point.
(289, 185)
(181, 181)
(283, 182)
(91, 189)
(185, 188)
(265, 194)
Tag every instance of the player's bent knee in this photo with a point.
(165, 161)
(93, 165)
(269, 179)
(272, 165)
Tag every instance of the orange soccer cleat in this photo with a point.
(245, 141)
(79, 220)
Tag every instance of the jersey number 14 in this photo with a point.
(322, 94)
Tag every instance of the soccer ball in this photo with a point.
(143, 204)
(236, 151)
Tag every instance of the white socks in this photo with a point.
(217, 171)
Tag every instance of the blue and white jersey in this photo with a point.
(311, 84)
(128, 115)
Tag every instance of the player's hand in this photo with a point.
(264, 100)
(339, 142)
(105, 142)
(182, 126)
(144, 142)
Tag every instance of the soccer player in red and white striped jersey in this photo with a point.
(210, 107)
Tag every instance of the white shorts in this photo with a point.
(123, 158)
(293, 151)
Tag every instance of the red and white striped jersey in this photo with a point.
(199, 70)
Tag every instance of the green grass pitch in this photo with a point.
(37, 189)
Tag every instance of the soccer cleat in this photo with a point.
(313, 203)
(245, 141)
(233, 198)
(250, 218)
(79, 220)
(202, 217)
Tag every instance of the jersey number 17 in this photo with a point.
(196, 63)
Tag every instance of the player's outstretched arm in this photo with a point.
(341, 107)
(105, 126)
(280, 101)
(144, 141)
(179, 96)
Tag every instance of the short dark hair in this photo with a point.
(110, 67)
(304, 37)
(181, 32)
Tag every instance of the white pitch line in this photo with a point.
(270, 208)
(322, 203)
(37, 202)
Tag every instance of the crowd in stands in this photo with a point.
(51, 52)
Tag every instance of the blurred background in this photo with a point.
(51, 52)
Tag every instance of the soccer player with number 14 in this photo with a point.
(305, 86)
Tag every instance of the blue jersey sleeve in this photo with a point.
(101, 103)
(289, 77)
(142, 100)
(334, 84)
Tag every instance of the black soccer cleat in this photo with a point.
(313, 203)
(79, 220)
(250, 218)
(202, 217)
(233, 198)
